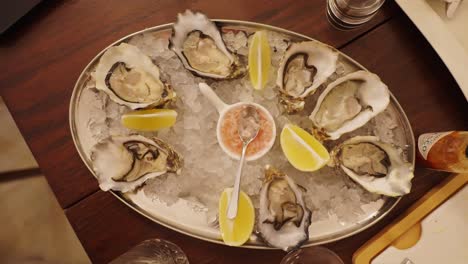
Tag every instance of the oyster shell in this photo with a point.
(122, 163)
(198, 43)
(130, 78)
(304, 67)
(375, 165)
(284, 218)
(349, 103)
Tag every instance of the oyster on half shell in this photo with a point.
(130, 78)
(284, 218)
(198, 43)
(304, 67)
(122, 163)
(348, 103)
(375, 165)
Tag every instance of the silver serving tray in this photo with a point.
(179, 224)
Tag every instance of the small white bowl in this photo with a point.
(224, 108)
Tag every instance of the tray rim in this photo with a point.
(230, 22)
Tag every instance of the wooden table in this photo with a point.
(43, 55)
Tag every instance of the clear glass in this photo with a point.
(313, 255)
(153, 251)
(349, 14)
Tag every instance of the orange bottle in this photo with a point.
(446, 151)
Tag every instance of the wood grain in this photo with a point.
(416, 76)
(120, 228)
(46, 52)
(107, 228)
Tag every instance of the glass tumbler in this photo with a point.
(153, 251)
(312, 255)
(349, 14)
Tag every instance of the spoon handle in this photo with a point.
(214, 99)
(234, 201)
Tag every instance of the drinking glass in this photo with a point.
(312, 255)
(153, 251)
(348, 14)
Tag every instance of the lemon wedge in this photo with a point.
(237, 231)
(149, 120)
(259, 60)
(302, 150)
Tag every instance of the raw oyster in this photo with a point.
(304, 67)
(198, 43)
(349, 103)
(130, 78)
(375, 165)
(284, 218)
(122, 163)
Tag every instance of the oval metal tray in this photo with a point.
(175, 220)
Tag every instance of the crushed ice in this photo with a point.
(207, 169)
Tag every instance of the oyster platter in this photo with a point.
(155, 117)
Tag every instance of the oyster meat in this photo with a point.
(130, 78)
(375, 165)
(198, 43)
(304, 67)
(349, 103)
(122, 163)
(284, 218)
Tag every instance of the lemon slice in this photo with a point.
(237, 231)
(259, 60)
(149, 120)
(302, 150)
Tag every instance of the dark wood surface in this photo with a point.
(43, 55)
